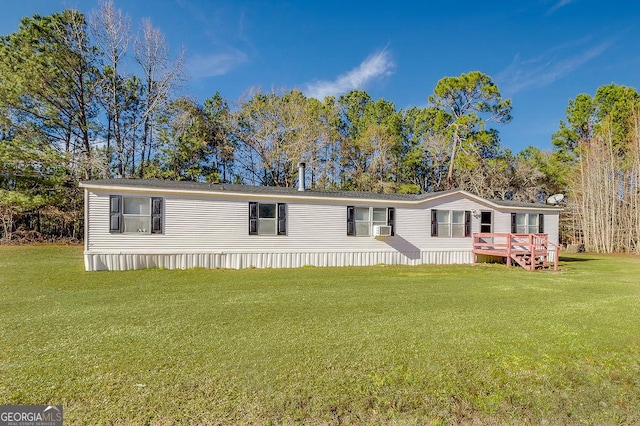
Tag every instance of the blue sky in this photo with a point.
(541, 53)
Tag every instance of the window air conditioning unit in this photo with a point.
(381, 231)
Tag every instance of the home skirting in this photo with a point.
(127, 261)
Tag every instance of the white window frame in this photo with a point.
(369, 220)
(528, 226)
(449, 224)
(265, 220)
(261, 223)
(126, 215)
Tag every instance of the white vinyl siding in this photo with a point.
(217, 223)
(199, 227)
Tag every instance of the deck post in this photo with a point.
(525, 249)
(532, 252)
(473, 248)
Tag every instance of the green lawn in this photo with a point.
(384, 344)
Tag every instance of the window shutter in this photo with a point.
(115, 214)
(351, 224)
(253, 218)
(391, 219)
(156, 215)
(282, 219)
(541, 223)
(434, 222)
(513, 223)
(467, 223)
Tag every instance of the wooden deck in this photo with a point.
(530, 251)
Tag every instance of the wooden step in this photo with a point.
(531, 251)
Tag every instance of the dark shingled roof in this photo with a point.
(275, 190)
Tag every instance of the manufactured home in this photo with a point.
(133, 224)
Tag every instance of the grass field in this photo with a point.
(381, 345)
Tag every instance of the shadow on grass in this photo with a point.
(577, 259)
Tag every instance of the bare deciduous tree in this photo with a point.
(161, 76)
(112, 32)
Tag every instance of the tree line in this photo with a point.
(599, 143)
(70, 110)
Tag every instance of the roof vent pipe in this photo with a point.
(301, 170)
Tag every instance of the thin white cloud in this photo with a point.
(377, 65)
(545, 69)
(215, 64)
(217, 29)
(558, 5)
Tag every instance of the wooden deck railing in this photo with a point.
(531, 251)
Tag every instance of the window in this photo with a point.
(267, 218)
(135, 215)
(486, 222)
(367, 218)
(450, 223)
(527, 223)
(361, 220)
